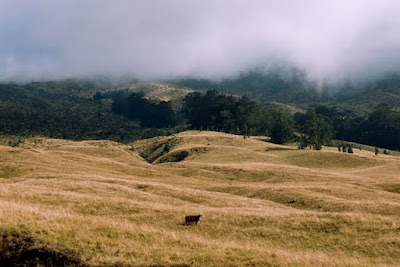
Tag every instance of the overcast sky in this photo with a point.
(151, 39)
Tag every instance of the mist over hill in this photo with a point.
(291, 85)
(158, 40)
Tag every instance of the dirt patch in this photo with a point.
(19, 249)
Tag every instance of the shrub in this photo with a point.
(167, 147)
(344, 148)
(350, 149)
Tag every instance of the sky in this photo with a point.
(159, 39)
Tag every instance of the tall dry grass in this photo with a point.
(262, 204)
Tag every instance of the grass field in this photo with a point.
(104, 203)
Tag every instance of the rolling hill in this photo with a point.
(104, 203)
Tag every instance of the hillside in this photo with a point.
(291, 87)
(132, 110)
(162, 92)
(102, 203)
(66, 109)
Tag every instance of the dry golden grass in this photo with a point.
(263, 204)
(163, 92)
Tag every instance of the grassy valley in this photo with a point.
(105, 203)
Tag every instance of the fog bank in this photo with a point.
(158, 39)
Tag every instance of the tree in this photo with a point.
(97, 96)
(213, 110)
(317, 130)
(150, 113)
(382, 128)
(157, 115)
(281, 126)
(344, 148)
(249, 115)
(350, 149)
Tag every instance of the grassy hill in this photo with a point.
(104, 203)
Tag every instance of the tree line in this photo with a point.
(134, 106)
(240, 115)
(122, 115)
(226, 113)
(48, 110)
(379, 128)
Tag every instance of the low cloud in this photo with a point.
(158, 39)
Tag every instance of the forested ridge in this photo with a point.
(37, 109)
(291, 86)
(88, 110)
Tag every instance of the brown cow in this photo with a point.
(192, 219)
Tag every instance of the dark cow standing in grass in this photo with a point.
(192, 219)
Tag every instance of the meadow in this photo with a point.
(102, 203)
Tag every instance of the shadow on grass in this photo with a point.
(19, 249)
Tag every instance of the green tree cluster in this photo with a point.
(380, 128)
(281, 126)
(134, 106)
(317, 131)
(215, 111)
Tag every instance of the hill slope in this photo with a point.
(290, 87)
(66, 109)
(262, 204)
